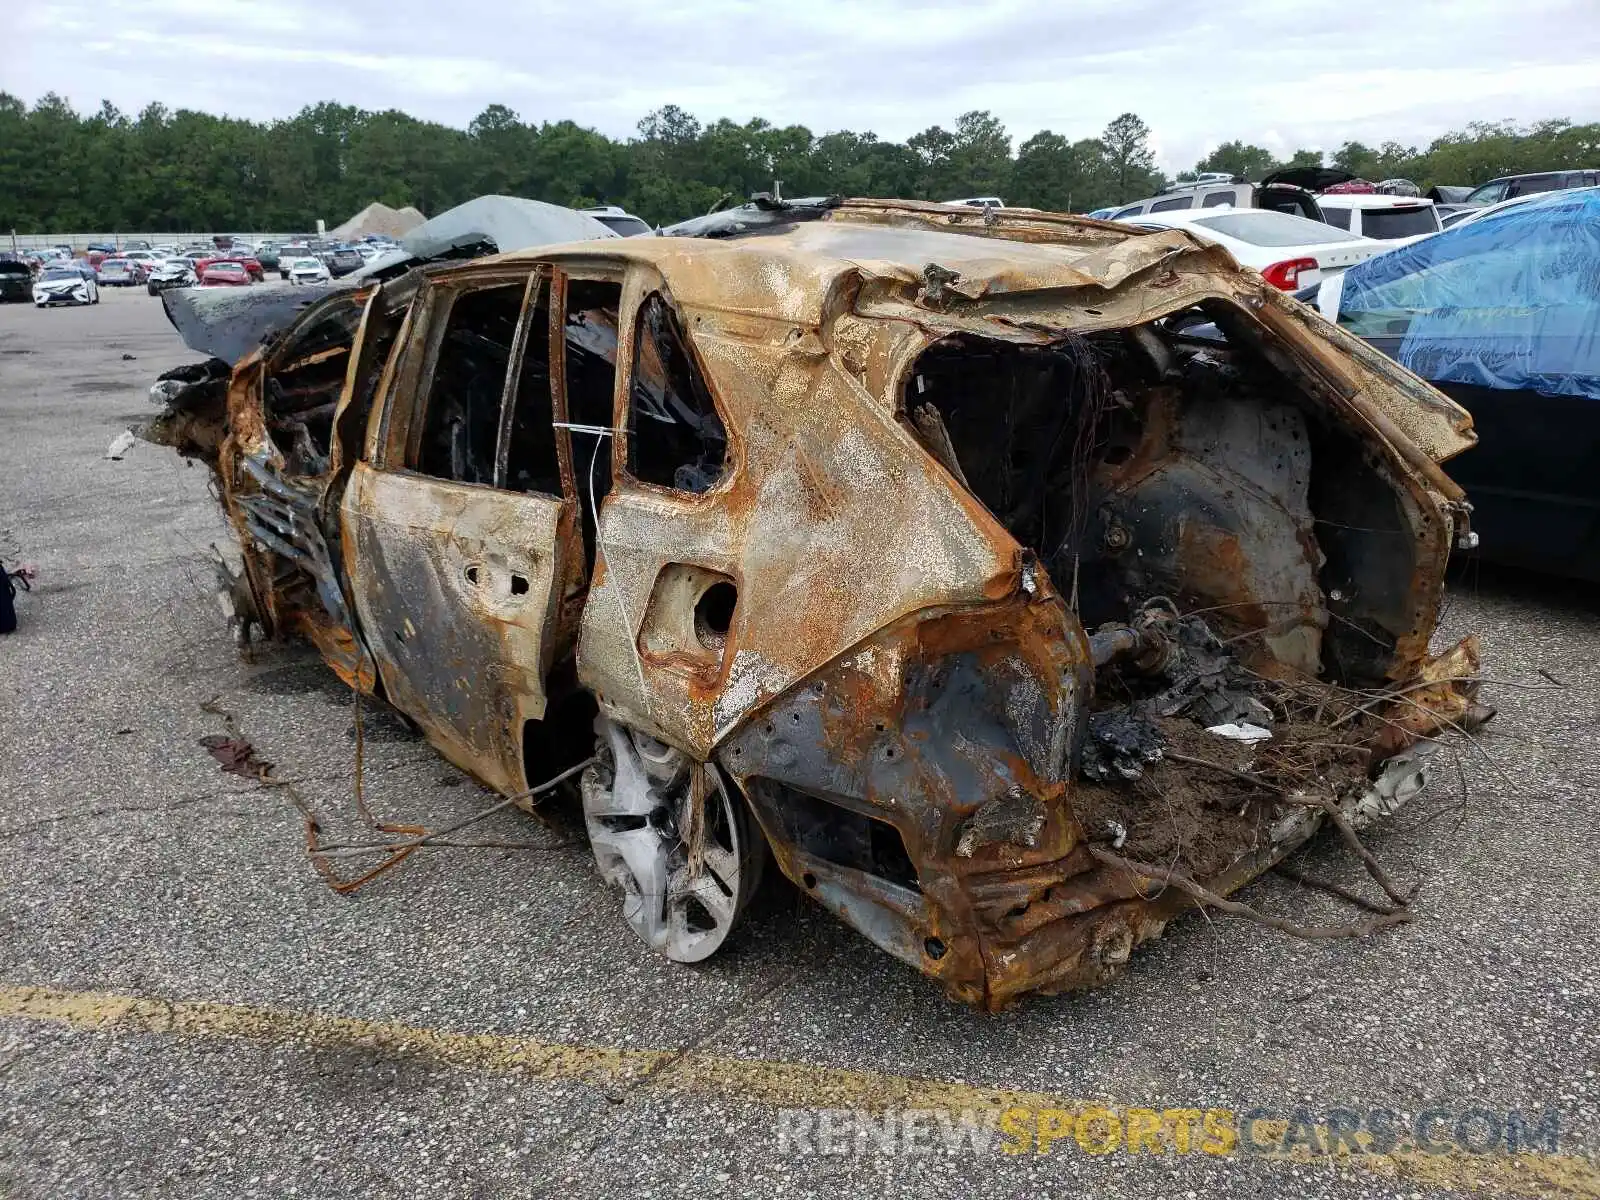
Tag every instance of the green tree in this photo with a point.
(1129, 160)
(1061, 176)
(576, 166)
(501, 152)
(933, 148)
(1238, 158)
(109, 171)
(666, 180)
(980, 158)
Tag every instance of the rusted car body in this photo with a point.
(834, 517)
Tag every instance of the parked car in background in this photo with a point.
(618, 220)
(1291, 190)
(266, 253)
(1508, 187)
(175, 272)
(147, 259)
(98, 252)
(1448, 200)
(1290, 251)
(224, 272)
(65, 283)
(288, 253)
(121, 272)
(1502, 314)
(1387, 218)
(970, 202)
(341, 260)
(487, 225)
(307, 269)
(82, 266)
(250, 263)
(1477, 212)
(16, 280)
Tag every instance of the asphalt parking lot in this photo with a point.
(187, 1010)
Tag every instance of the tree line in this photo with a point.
(185, 170)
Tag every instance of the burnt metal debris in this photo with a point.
(918, 547)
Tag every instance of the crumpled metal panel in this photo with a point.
(230, 323)
(935, 721)
(822, 472)
(455, 589)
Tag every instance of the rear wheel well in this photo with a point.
(562, 739)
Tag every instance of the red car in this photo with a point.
(251, 265)
(224, 272)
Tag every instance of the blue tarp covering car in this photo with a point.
(1510, 301)
(1502, 314)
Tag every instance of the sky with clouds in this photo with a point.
(1281, 73)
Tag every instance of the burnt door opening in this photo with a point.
(590, 340)
(528, 458)
(1158, 463)
(461, 421)
(303, 388)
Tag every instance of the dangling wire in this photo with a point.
(599, 432)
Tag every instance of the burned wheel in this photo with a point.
(669, 834)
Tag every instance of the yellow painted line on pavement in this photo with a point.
(773, 1083)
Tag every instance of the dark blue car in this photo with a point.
(1502, 314)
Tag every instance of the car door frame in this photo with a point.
(283, 518)
(437, 563)
(651, 538)
(574, 595)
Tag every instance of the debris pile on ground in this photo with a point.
(1192, 757)
(380, 219)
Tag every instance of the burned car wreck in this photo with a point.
(916, 546)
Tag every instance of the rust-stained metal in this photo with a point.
(919, 453)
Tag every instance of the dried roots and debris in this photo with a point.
(1173, 790)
